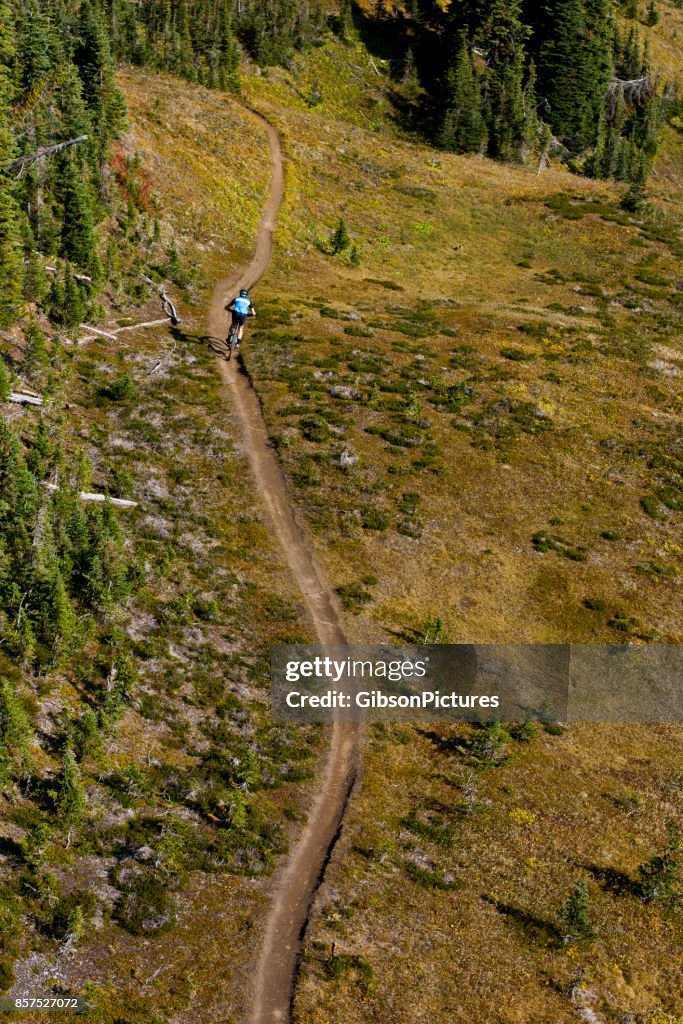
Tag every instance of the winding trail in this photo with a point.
(300, 876)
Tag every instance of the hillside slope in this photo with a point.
(476, 403)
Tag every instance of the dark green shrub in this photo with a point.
(374, 519)
(145, 907)
(120, 390)
(314, 428)
(426, 878)
(340, 964)
(517, 355)
(354, 596)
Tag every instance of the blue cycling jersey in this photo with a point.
(242, 305)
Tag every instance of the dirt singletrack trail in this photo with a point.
(298, 879)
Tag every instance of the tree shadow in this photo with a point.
(444, 744)
(614, 881)
(537, 928)
(9, 848)
(392, 38)
(217, 345)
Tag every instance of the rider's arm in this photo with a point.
(252, 311)
(231, 305)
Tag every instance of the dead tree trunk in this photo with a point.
(24, 161)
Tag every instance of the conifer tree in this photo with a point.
(15, 732)
(78, 231)
(463, 129)
(658, 878)
(34, 45)
(564, 70)
(504, 34)
(11, 259)
(575, 915)
(5, 386)
(346, 26)
(7, 57)
(40, 451)
(34, 273)
(17, 489)
(74, 299)
(70, 797)
(340, 238)
(36, 356)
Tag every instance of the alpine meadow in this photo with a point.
(455, 419)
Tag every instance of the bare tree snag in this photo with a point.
(635, 92)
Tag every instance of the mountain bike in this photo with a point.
(233, 340)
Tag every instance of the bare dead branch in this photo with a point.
(634, 92)
(166, 304)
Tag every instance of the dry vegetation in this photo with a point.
(502, 367)
(481, 420)
(478, 410)
(192, 796)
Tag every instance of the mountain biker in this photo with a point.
(241, 307)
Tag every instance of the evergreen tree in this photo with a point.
(228, 51)
(36, 357)
(78, 231)
(40, 452)
(340, 238)
(5, 386)
(658, 879)
(463, 129)
(11, 257)
(94, 61)
(15, 733)
(70, 795)
(34, 273)
(67, 299)
(7, 58)
(86, 735)
(17, 489)
(504, 35)
(346, 25)
(575, 915)
(34, 46)
(564, 68)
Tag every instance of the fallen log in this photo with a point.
(24, 161)
(88, 496)
(76, 277)
(135, 327)
(96, 330)
(23, 398)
